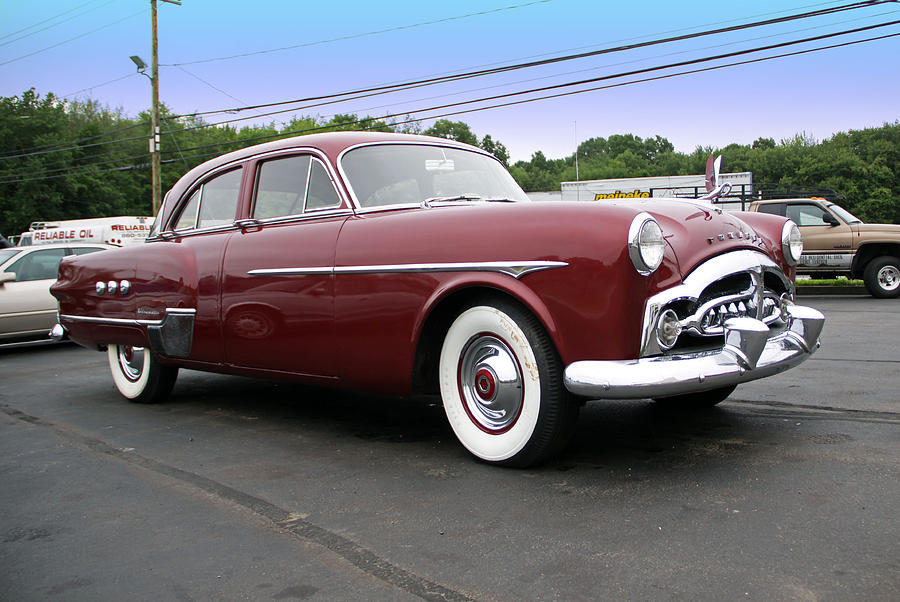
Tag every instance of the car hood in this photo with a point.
(891, 229)
(696, 231)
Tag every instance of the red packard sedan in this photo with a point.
(407, 264)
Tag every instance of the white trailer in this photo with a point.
(122, 230)
(656, 186)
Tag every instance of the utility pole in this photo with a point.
(154, 112)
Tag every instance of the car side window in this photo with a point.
(281, 187)
(39, 265)
(773, 208)
(321, 193)
(807, 215)
(84, 250)
(291, 186)
(213, 204)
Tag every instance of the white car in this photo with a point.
(27, 309)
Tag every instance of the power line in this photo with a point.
(629, 73)
(102, 27)
(54, 24)
(62, 14)
(358, 35)
(542, 62)
(358, 94)
(476, 109)
(112, 81)
(420, 83)
(569, 84)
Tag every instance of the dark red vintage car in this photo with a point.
(406, 264)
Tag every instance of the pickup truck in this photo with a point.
(836, 243)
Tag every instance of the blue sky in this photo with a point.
(819, 93)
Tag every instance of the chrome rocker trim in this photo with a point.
(751, 351)
(172, 335)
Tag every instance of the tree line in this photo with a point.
(61, 159)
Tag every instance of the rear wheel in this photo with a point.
(882, 277)
(138, 375)
(703, 399)
(501, 384)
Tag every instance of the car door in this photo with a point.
(183, 270)
(26, 305)
(824, 245)
(278, 287)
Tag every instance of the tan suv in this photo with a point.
(835, 242)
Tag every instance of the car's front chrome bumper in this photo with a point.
(751, 351)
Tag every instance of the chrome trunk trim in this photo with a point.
(172, 335)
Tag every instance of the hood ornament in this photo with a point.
(713, 188)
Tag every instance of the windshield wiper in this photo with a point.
(430, 201)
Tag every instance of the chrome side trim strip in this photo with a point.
(516, 269)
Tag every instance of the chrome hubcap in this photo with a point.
(131, 360)
(490, 382)
(889, 278)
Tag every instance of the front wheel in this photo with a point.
(501, 384)
(138, 375)
(882, 277)
(696, 401)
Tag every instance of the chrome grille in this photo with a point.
(737, 284)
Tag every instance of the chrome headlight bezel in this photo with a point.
(646, 245)
(791, 243)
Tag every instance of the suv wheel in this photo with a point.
(882, 277)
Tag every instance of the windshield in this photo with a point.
(404, 174)
(7, 253)
(845, 215)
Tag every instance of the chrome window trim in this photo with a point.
(355, 202)
(516, 269)
(304, 217)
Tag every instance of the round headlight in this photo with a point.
(645, 244)
(791, 243)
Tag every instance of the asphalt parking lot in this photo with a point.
(244, 489)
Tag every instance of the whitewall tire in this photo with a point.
(501, 384)
(138, 375)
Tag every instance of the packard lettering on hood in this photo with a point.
(409, 265)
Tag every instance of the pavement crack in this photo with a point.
(823, 412)
(290, 522)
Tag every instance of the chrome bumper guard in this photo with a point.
(751, 351)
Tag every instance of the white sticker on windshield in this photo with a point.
(439, 165)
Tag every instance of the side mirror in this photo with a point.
(830, 219)
(7, 277)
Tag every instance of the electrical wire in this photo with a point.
(359, 35)
(101, 28)
(628, 73)
(245, 142)
(549, 61)
(535, 90)
(458, 111)
(471, 74)
(54, 24)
